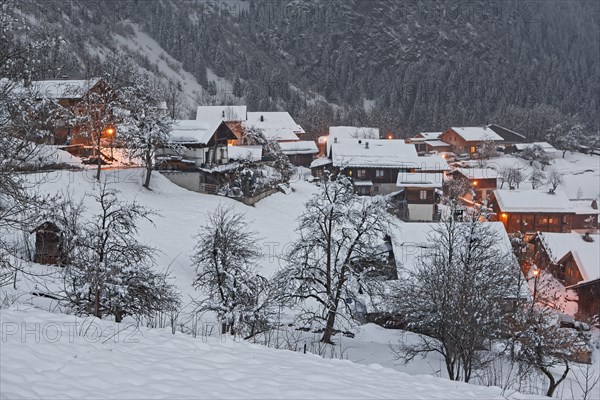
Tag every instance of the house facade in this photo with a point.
(573, 259)
(300, 153)
(469, 139)
(200, 142)
(71, 95)
(419, 195)
(374, 164)
(529, 211)
(482, 182)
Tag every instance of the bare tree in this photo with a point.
(455, 294)
(109, 271)
(225, 258)
(337, 232)
(555, 179)
(515, 177)
(537, 177)
(542, 344)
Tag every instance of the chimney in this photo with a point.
(359, 141)
(223, 114)
(335, 140)
(484, 127)
(262, 118)
(366, 145)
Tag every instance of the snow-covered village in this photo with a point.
(307, 199)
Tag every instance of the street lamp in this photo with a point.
(536, 275)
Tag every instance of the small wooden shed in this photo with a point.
(48, 243)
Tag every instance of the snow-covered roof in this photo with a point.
(430, 135)
(547, 147)
(320, 162)
(193, 131)
(584, 206)
(436, 143)
(299, 147)
(63, 89)
(251, 153)
(420, 179)
(523, 201)
(432, 162)
(477, 133)
(370, 153)
(222, 113)
(478, 173)
(278, 126)
(585, 254)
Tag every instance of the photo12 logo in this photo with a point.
(54, 332)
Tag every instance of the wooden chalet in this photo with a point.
(300, 153)
(48, 244)
(469, 139)
(374, 165)
(482, 182)
(549, 150)
(419, 195)
(197, 144)
(71, 95)
(586, 215)
(427, 142)
(529, 211)
(573, 259)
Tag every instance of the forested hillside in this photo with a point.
(402, 66)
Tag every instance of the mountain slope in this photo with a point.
(427, 65)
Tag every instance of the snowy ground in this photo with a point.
(581, 172)
(48, 355)
(181, 213)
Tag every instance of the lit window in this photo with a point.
(423, 194)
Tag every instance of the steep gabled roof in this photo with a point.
(278, 126)
(368, 153)
(507, 134)
(193, 131)
(477, 134)
(533, 201)
(420, 180)
(586, 255)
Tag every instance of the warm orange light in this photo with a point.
(504, 215)
(390, 137)
(475, 183)
(110, 131)
(536, 272)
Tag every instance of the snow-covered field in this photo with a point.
(48, 355)
(581, 172)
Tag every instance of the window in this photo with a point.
(361, 174)
(362, 190)
(423, 195)
(379, 173)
